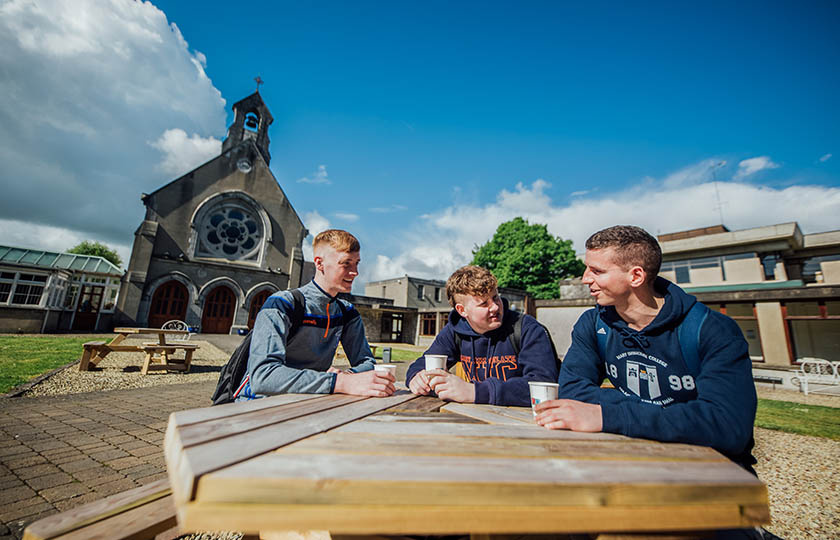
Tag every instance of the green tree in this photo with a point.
(98, 249)
(528, 257)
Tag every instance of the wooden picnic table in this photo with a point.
(94, 352)
(406, 465)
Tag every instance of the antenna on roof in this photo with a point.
(718, 205)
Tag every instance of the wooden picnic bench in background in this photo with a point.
(157, 354)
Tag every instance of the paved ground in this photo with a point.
(62, 451)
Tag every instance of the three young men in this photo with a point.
(298, 360)
(478, 334)
(659, 394)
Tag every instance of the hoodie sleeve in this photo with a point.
(267, 367)
(536, 362)
(583, 370)
(444, 343)
(722, 415)
(355, 343)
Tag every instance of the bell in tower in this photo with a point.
(250, 122)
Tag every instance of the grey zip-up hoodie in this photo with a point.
(278, 365)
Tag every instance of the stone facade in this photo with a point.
(217, 240)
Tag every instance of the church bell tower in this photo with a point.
(250, 122)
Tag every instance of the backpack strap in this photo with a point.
(515, 337)
(688, 333)
(298, 311)
(602, 330)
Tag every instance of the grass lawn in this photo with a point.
(25, 357)
(813, 420)
(401, 355)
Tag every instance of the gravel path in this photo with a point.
(800, 471)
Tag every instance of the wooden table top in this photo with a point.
(131, 330)
(403, 465)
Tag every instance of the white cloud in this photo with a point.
(441, 242)
(34, 236)
(314, 223)
(182, 154)
(825, 158)
(347, 216)
(86, 85)
(320, 177)
(753, 165)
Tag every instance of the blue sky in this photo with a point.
(433, 122)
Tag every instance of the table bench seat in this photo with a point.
(89, 350)
(146, 512)
(163, 354)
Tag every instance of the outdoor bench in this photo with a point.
(90, 349)
(768, 379)
(142, 513)
(156, 351)
(817, 371)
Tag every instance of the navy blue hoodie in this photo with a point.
(491, 363)
(657, 397)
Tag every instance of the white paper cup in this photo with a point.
(435, 361)
(542, 391)
(389, 368)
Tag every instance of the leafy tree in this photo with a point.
(98, 249)
(528, 257)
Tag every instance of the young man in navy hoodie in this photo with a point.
(657, 395)
(494, 372)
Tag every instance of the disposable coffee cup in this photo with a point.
(435, 361)
(542, 391)
(388, 368)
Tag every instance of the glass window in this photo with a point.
(682, 274)
(230, 230)
(5, 291)
(739, 310)
(738, 256)
(802, 309)
(427, 324)
(27, 295)
(707, 262)
(7, 275)
(437, 294)
(70, 298)
(832, 307)
(420, 292)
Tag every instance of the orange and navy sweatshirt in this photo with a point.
(490, 361)
(281, 365)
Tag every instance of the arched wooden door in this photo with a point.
(256, 304)
(169, 302)
(217, 316)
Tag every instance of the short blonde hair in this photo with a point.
(470, 281)
(337, 239)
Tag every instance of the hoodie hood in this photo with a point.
(677, 304)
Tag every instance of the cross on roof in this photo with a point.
(259, 81)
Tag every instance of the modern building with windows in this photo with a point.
(46, 291)
(780, 285)
(216, 242)
(427, 297)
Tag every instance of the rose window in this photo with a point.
(231, 232)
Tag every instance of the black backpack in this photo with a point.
(233, 373)
(515, 338)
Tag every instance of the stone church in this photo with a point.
(216, 242)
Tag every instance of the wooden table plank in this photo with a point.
(193, 416)
(343, 443)
(532, 431)
(492, 414)
(186, 464)
(283, 478)
(382, 518)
